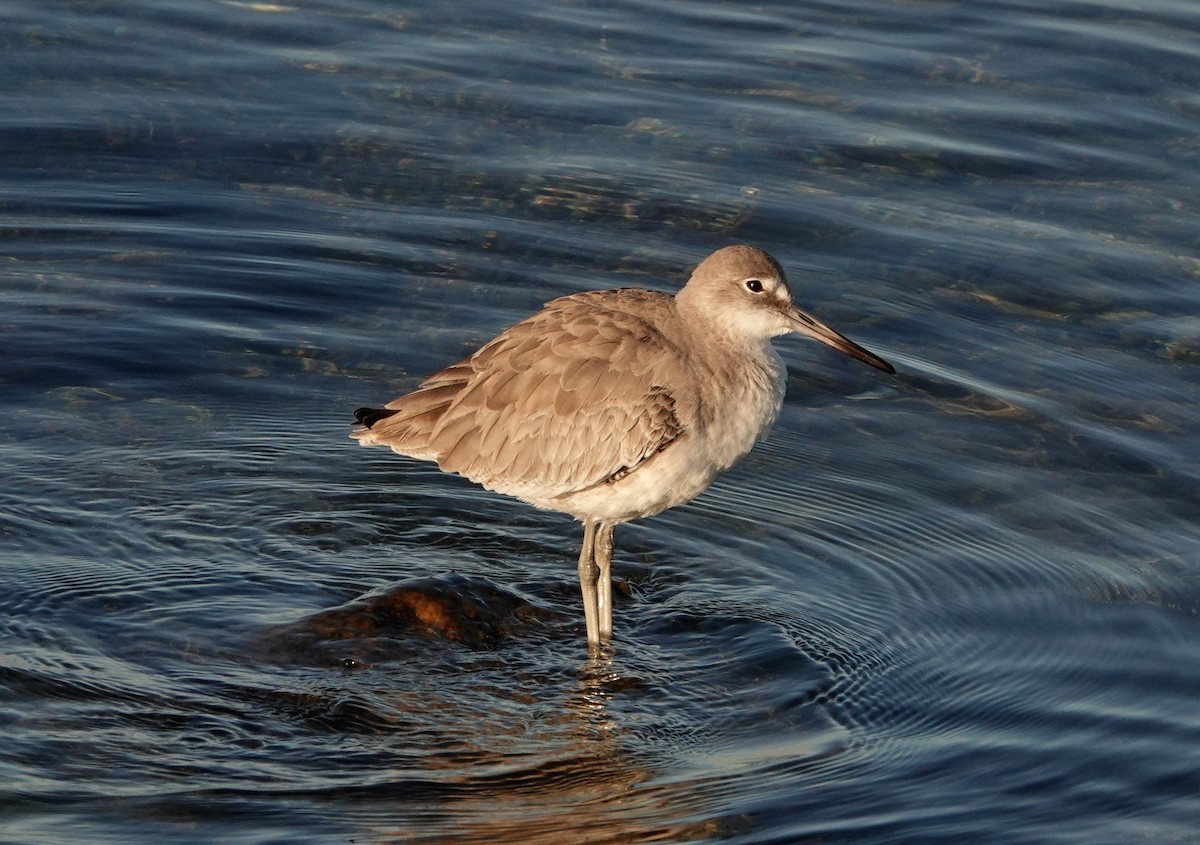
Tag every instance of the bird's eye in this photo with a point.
(754, 286)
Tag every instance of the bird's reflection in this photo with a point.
(506, 746)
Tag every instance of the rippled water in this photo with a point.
(956, 605)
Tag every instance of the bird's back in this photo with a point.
(580, 394)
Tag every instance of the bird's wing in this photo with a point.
(569, 398)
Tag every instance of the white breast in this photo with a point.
(726, 430)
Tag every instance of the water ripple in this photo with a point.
(955, 605)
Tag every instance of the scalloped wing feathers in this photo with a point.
(541, 406)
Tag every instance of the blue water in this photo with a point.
(961, 604)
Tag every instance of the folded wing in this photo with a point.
(572, 397)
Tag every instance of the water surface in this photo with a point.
(955, 605)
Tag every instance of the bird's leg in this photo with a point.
(589, 574)
(603, 555)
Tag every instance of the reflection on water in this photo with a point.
(958, 606)
(500, 752)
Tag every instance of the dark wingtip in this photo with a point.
(370, 416)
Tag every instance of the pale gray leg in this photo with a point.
(589, 575)
(603, 555)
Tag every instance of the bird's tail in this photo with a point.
(407, 424)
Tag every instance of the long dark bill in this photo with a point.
(808, 325)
